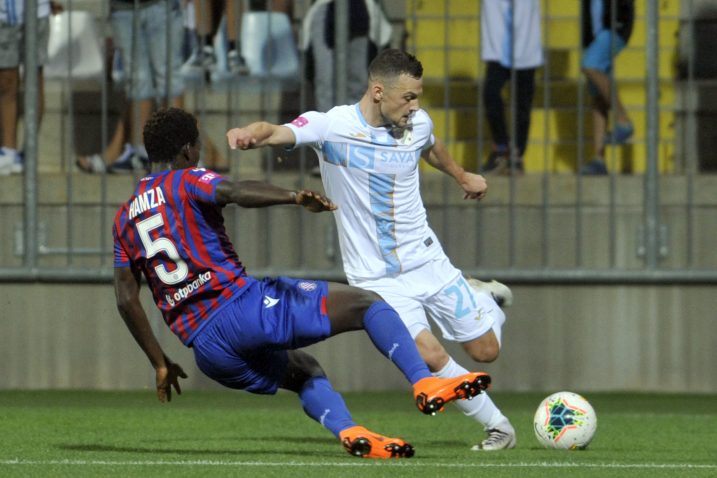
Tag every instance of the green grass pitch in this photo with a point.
(216, 433)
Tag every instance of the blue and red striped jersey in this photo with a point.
(172, 230)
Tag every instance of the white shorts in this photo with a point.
(438, 290)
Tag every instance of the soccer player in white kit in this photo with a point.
(369, 154)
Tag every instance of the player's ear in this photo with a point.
(377, 92)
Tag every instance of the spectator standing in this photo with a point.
(12, 51)
(207, 19)
(510, 44)
(149, 82)
(369, 30)
(605, 35)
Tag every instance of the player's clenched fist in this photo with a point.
(241, 138)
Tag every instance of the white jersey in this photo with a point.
(373, 177)
(499, 37)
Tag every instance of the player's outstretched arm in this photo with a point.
(260, 134)
(474, 185)
(130, 308)
(260, 194)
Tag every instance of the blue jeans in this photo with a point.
(147, 77)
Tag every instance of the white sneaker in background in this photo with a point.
(236, 63)
(6, 163)
(11, 161)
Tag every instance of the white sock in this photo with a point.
(498, 322)
(481, 408)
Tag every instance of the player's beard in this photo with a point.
(392, 125)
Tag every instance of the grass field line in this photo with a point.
(422, 464)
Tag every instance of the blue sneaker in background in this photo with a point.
(596, 167)
(623, 132)
(128, 162)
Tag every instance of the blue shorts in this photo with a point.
(245, 344)
(597, 55)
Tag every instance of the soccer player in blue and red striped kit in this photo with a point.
(245, 332)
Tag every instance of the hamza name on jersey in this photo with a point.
(149, 199)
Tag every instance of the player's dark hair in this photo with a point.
(392, 63)
(167, 131)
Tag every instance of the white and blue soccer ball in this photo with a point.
(565, 420)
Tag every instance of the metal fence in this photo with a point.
(651, 219)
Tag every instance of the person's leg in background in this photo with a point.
(495, 79)
(9, 87)
(141, 93)
(604, 86)
(597, 64)
(235, 61)
(170, 86)
(207, 17)
(524, 101)
(162, 45)
(358, 68)
(11, 160)
(323, 61)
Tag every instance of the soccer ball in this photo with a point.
(565, 420)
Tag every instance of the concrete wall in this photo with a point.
(647, 338)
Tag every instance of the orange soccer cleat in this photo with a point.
(360, 442)
(432, 393)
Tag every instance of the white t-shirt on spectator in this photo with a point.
(498, 36)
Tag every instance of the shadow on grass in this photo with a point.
(284, 447)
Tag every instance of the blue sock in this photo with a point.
(391, 337)
(322, 403)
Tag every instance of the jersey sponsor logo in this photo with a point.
(307, 286)
(300, 121)
(358, 135)
(150, 199)
(270, 302)
(401, 157)
(207, 178)
(188, 289)
(369, 157)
